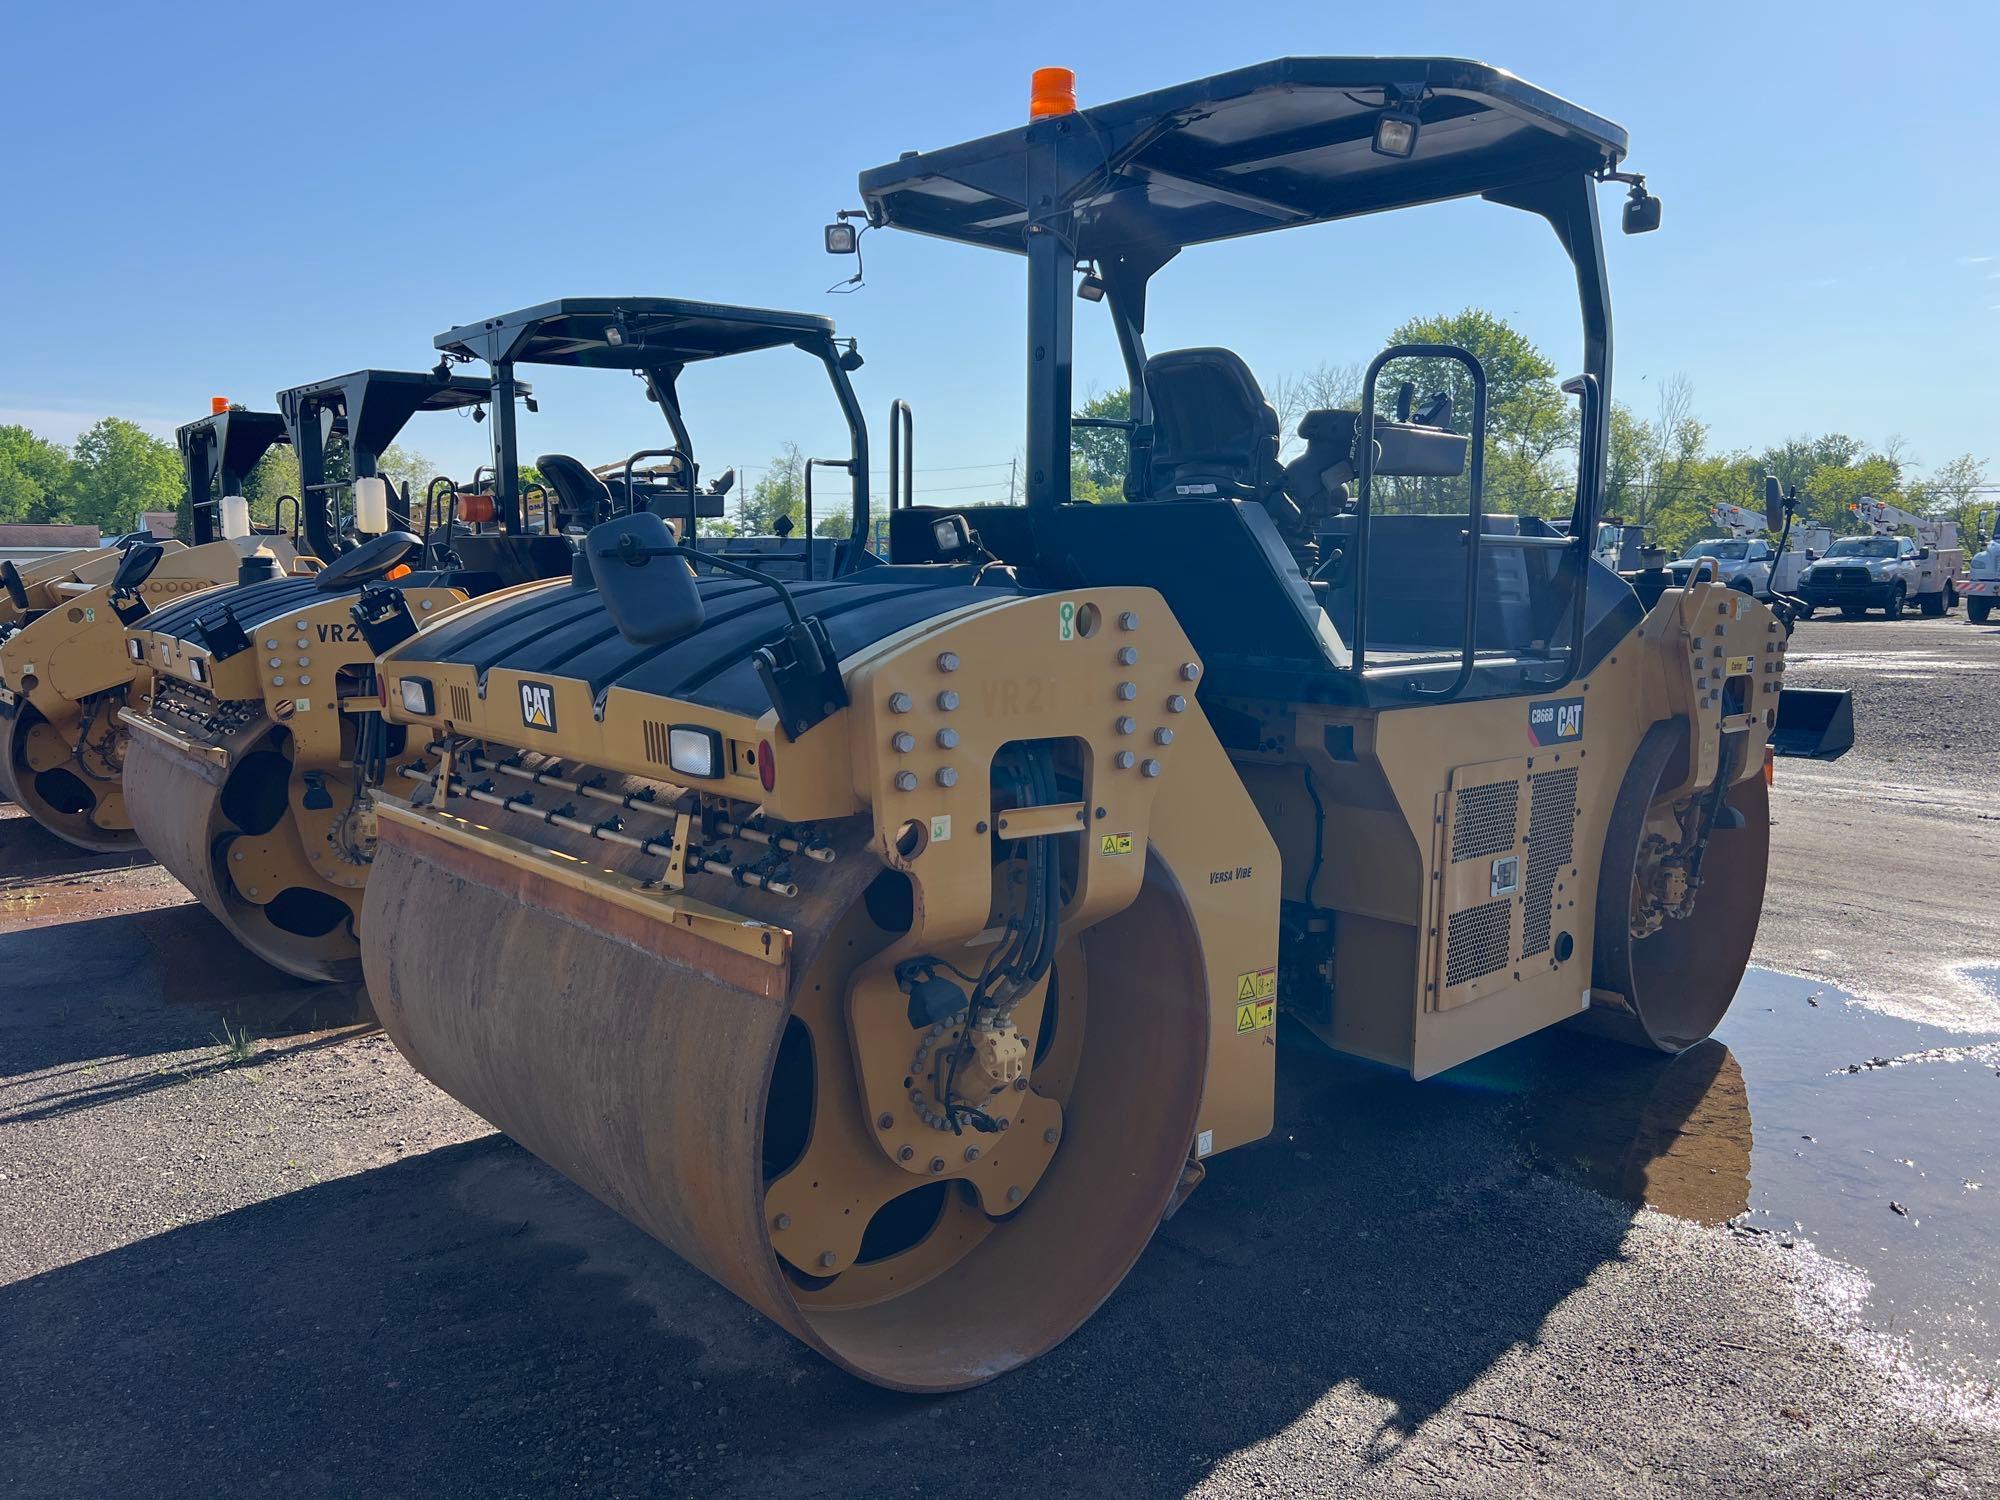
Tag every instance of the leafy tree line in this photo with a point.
(116, 469)
(1663, 470)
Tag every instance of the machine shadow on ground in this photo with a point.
(147, 982)
(29, 851)
(468, 1319)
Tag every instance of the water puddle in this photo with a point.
(1813, 1118)
(1891, 662)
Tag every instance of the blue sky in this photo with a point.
(227, 200)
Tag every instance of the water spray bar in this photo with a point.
(727, 827)
(697, 859)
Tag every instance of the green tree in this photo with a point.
(1528, 419)
(276, 473)
(1625, 465)
(1831, 489)
(34, 477)
(1097, 455)
(1955, 491)
(120, 469)
(779, 491)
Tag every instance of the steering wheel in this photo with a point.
(136, 566)
(371, 560)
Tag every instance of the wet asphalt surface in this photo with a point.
(308, 1270)
(1885, 864)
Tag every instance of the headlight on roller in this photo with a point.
(694, 751)
(416, 696)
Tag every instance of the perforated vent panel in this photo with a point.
(1551, 845)
(461, 703)
(1483, 820)
(656, 742)
(1476, 941)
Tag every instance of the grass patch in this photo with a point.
(236, 1043)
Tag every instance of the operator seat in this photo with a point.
(1215, 437)
(582, 498)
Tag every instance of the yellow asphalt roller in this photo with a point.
(751, 1035)
(252, 761)
(32, 588)
(240, 764)
(66, 673)
(900, 945)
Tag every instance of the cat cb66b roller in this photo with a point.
(899, 943)
(253, 761)
(66, 670)
(251, 755)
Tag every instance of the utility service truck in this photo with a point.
(1886, 570)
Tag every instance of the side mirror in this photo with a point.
(651, 598)
(10, 575)
(136, 566)
(724, 484)
(1774, 504)
(1642, 212)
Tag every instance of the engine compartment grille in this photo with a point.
(1476, 941)
(1551, 846)
(1485, 820)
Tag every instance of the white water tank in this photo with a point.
(371, 505)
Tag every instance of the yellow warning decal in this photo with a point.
(1736, 666)
(1256, 1000)
(1114, 843)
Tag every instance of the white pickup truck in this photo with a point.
(1859, 573)
(1742, 563)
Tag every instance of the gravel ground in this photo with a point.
(1885, 864)
(305, 1268)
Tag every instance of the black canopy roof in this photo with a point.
(371, 407)
(630, 333)
(1266, 147)
(416, 390)
(229, 442)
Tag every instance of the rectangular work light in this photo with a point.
(1396, 131)
(694, 751)
(134, 648)
(416, 694)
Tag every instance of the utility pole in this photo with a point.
(1013, 464)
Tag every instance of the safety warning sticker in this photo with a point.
(1066, 621)
(1114, 843)
(1256, 999)
(1736, 666)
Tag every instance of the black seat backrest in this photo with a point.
(583, 498)
(1215, 437)
(514, 559)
